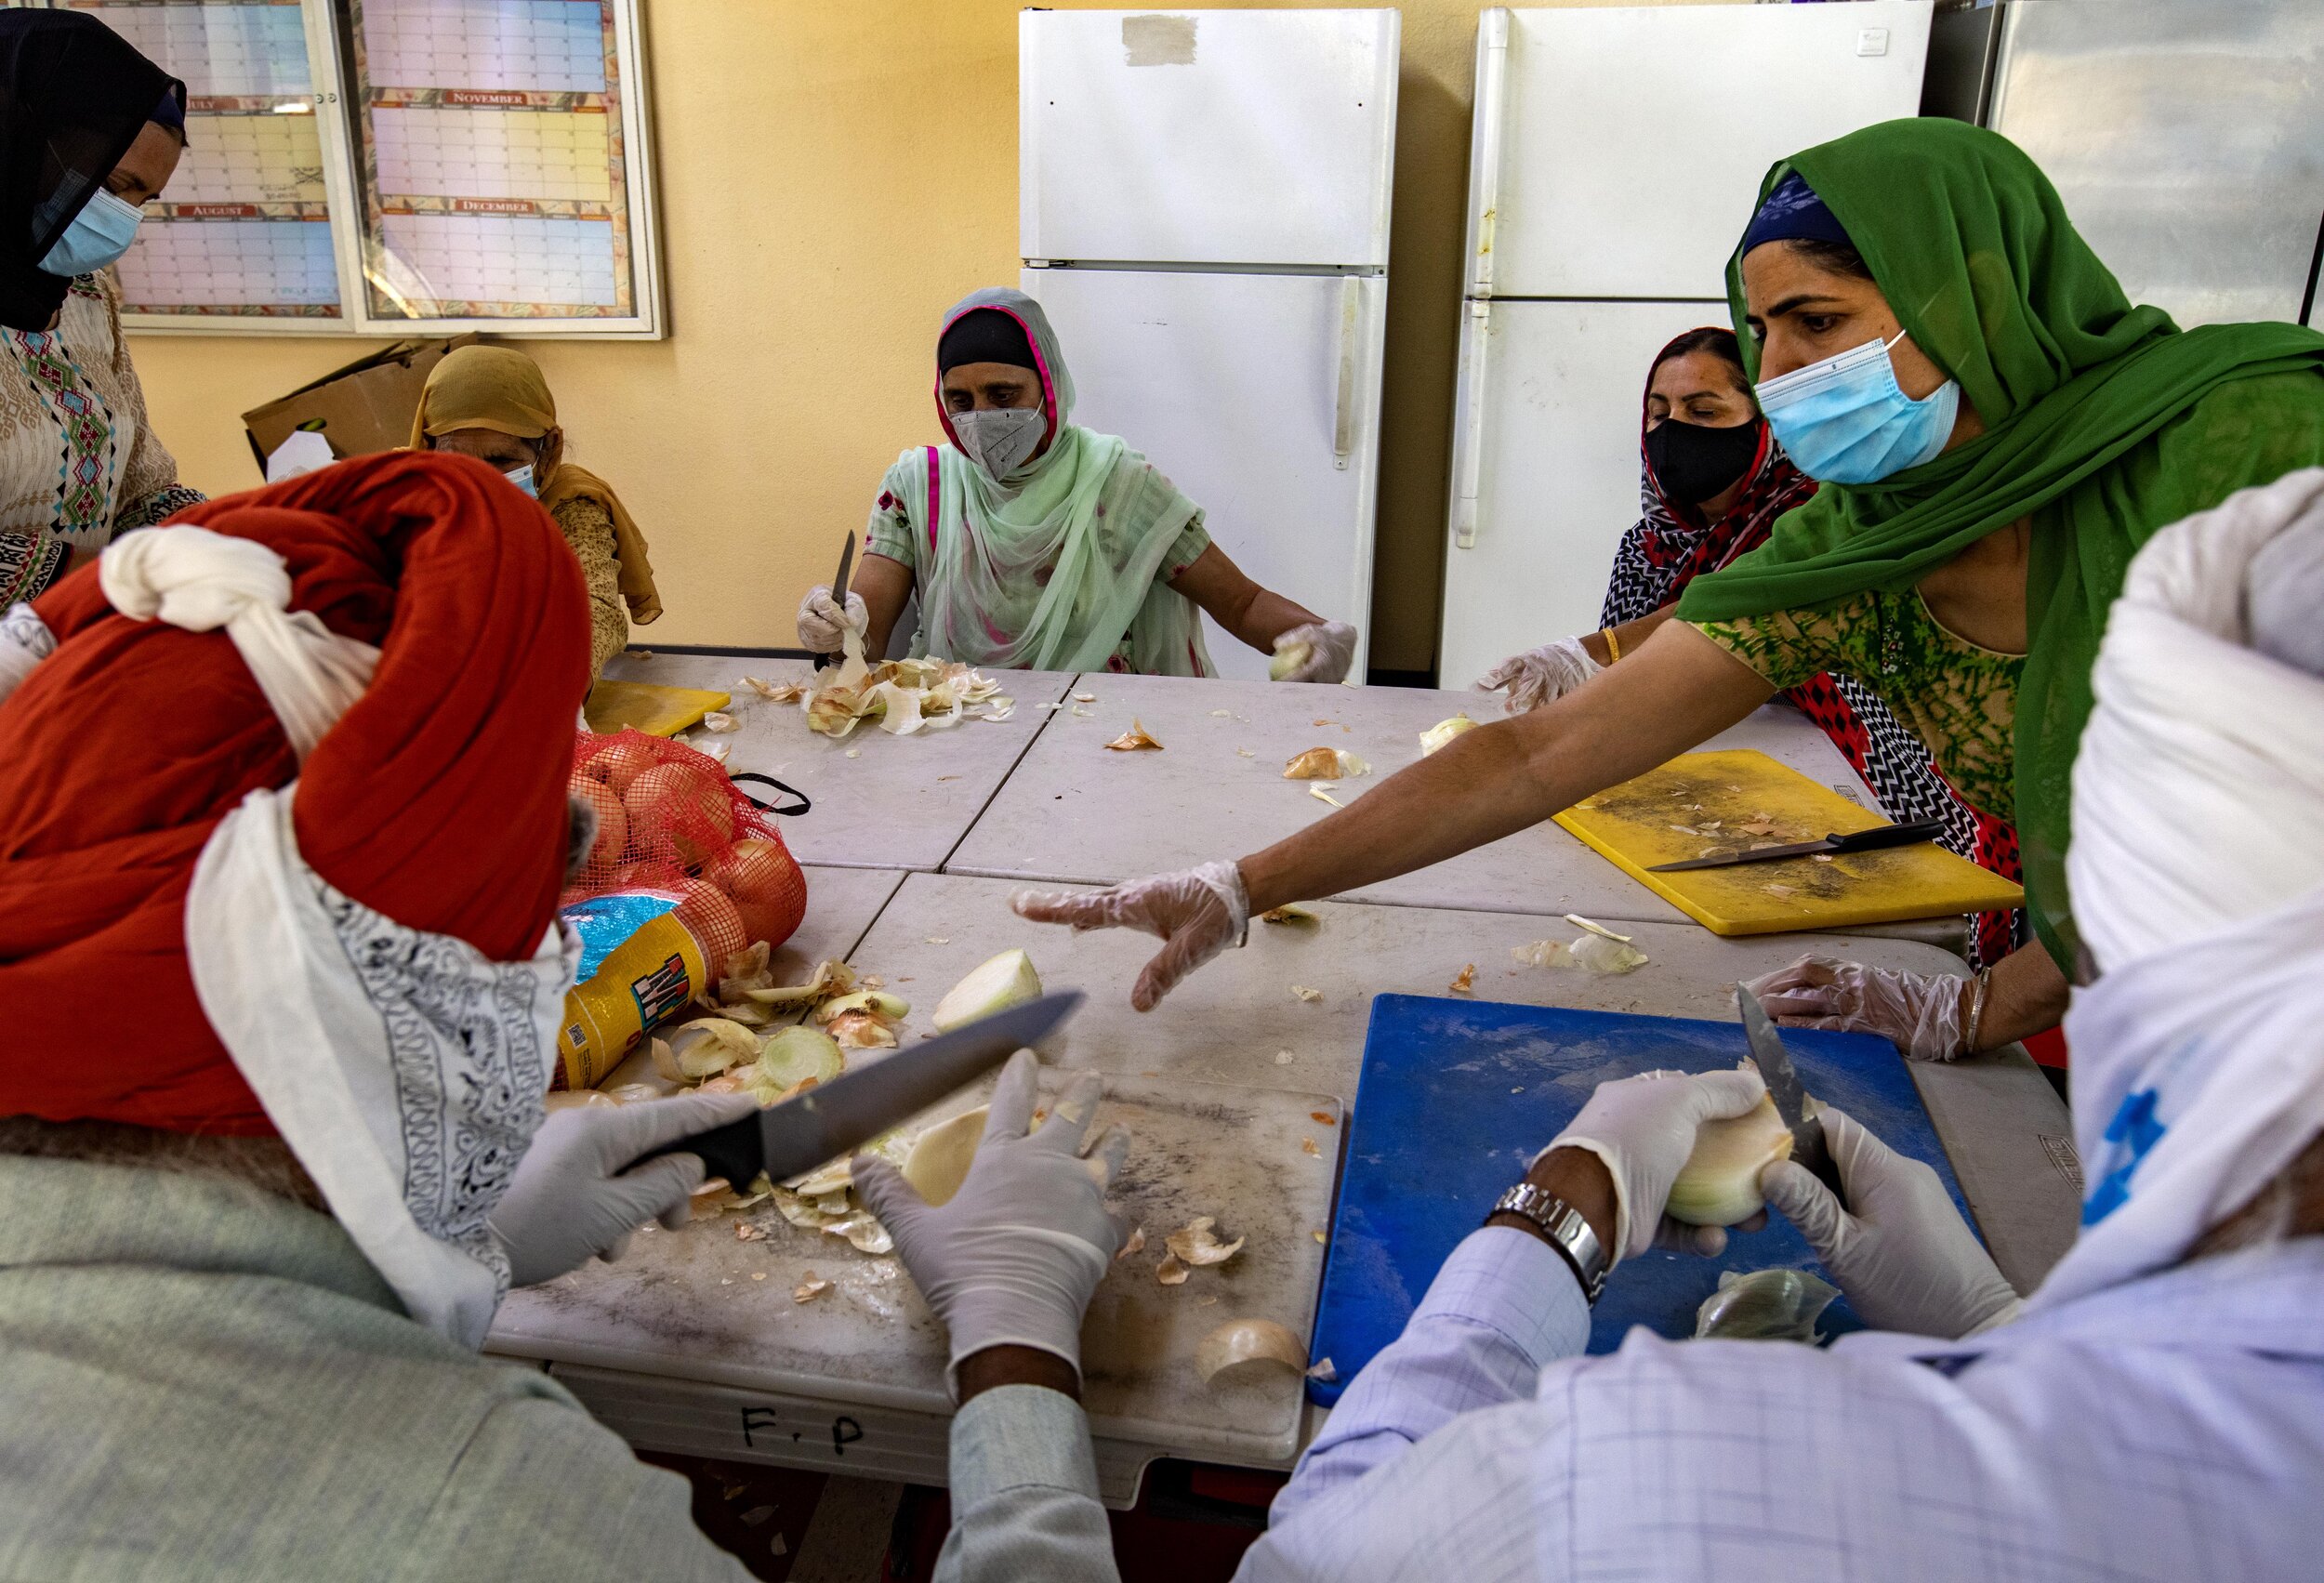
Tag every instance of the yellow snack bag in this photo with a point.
(639, 965)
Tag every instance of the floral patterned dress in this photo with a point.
(1958, 700)
(78, 462)
(1670, 546)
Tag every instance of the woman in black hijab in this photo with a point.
(90, 131)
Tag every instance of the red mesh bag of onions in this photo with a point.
(668, 818)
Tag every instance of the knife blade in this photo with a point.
(833, 1117)
(839, 591)
(1774, 1062)
(1879, 835)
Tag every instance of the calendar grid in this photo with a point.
(265, 158)
(245, 230)
(489, 150)
(257, 49)
(493, 159)
(264, 267)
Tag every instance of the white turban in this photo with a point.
(2197, 874)
(2199, 792)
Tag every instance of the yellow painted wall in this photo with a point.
(833, 174)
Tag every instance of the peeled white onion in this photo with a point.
(1719, 1184)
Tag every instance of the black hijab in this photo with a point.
(73, 96)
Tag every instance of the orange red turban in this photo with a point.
(438, 800)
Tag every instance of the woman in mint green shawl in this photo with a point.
(1998, 430)
(1036, 543)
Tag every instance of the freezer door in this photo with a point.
(1625, 147)
(1206, 137)
(1547, 441)
(2186, 139)
(1259, 396)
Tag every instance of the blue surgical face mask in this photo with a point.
(1845, 420)
(98, 234)
(523, 478)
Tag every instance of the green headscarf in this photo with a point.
(1052, 567)
(1971, 245)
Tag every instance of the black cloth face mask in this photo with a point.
(1692, 463)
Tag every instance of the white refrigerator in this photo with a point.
(1204, 216)
(1612, 164)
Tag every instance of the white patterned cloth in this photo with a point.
(405, 1070)
(25, 641)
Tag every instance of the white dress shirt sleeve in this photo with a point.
(1503, 1305)
(1024, 1492)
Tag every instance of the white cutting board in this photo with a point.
(686, 1304)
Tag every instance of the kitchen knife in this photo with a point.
(1879, 835)
(831, 1118)
(839, 592)
(1783, 1086)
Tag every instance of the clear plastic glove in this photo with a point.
(1197, 912)
(821, 620)
(1013, 1258)
(1921, 1011)
(1900, 1251)
(1540, 676)
(1331, 649)
(570, 1199)
(1642, 1128)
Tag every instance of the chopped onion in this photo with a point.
(790, 1057)
(1444, 732)
(995, 985)
(941, 1156)
(1195, 1243)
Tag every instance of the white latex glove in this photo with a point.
(1013, 1258)
(1197, 912)
(570, 1199)
(1331, 649)
(1642, 1127)
(820, 619)
(1920, 1011)
(1900, 1251)
(1540, 676)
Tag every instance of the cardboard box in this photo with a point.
(363, 408)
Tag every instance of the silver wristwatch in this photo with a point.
(1566, 1227)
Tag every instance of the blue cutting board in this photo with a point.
(1457, 1095)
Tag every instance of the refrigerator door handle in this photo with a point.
(1469, 428)
(1344, 396)
(1485, 178)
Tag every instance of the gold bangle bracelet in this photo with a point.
(1613, 644)
(1976, 1012)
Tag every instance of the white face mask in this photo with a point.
(1002, 440)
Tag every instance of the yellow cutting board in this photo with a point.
(657, 711)
(1700, 802)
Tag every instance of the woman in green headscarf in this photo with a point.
(1036, 543)
(1998, 430)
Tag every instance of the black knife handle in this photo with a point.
(1827, 1170)
(736, 1151)
(1887, 836)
